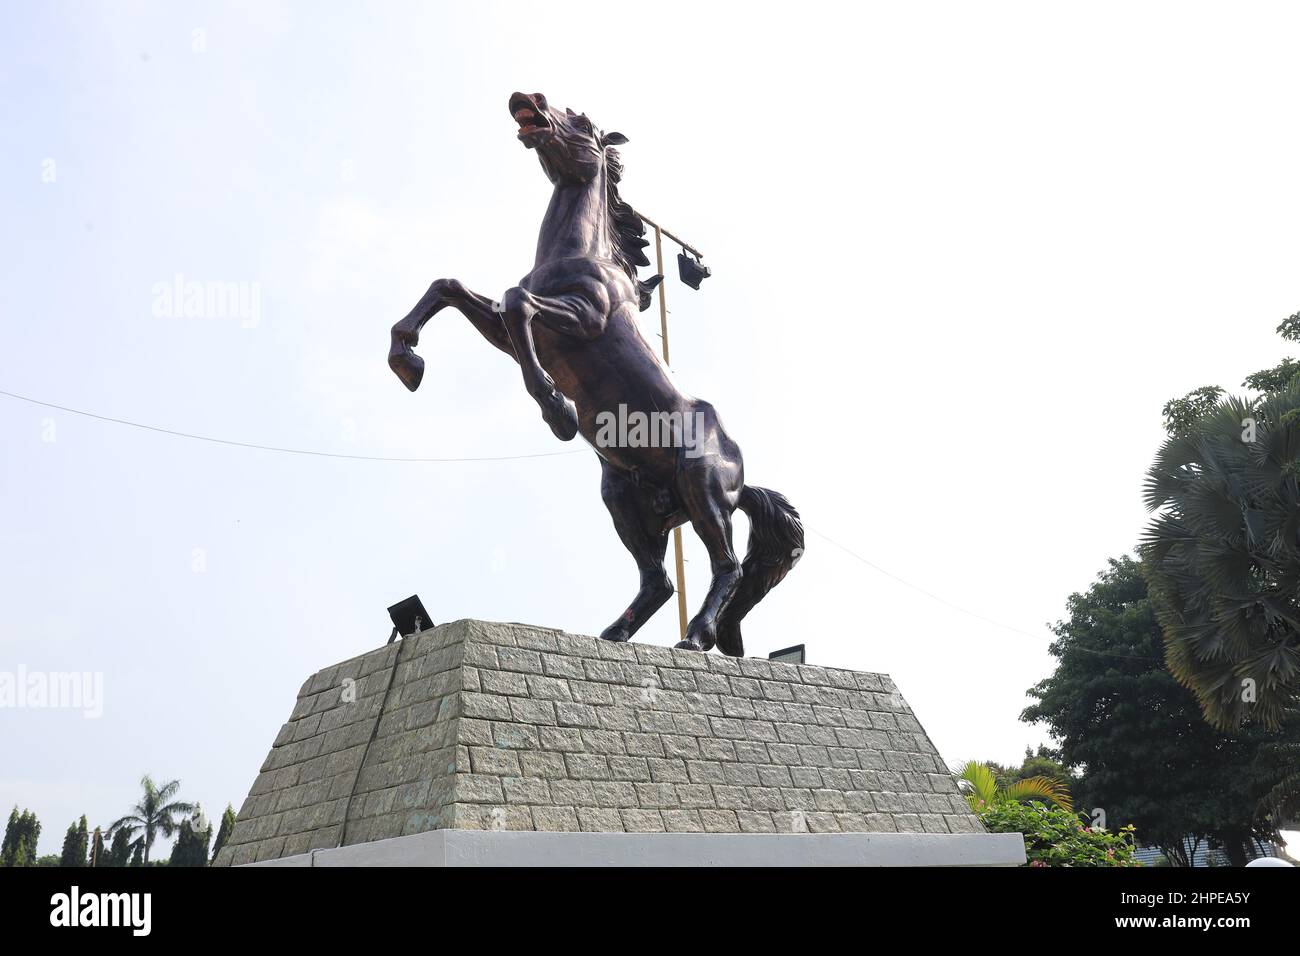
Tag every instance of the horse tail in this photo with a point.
(775, 545)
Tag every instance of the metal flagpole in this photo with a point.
(663, 328)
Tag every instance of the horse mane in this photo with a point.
(627, 229)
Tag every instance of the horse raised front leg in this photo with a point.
(575, 314)
(408, 366)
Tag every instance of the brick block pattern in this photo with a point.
(474, 725)
(395, 709)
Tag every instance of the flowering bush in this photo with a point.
(1058, 837)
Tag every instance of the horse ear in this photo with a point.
(613, 139)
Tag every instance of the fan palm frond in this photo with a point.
(1222, 557)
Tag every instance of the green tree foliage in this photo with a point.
(1277, 379)
(21, 834)
(223, 833)
(1146, 755)
(76, 844)
(137, 853)
(191, 847)
(98, 856)
(1284, 375)
(1055, 836)
(119, 854)
(1283, 801)
(1182, 413)
(155, 813)
(1043, 762)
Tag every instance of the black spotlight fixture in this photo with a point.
(692, 270)
(409, 617)
(788, 655)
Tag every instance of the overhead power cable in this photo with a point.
(276, 448)
(547, 454)
(966, 611)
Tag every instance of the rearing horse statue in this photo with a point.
(571, 324)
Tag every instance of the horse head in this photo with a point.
(571, 148)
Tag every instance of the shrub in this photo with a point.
(1057, 837)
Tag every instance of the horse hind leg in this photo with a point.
(776, 543)
(645, 536)
(710, 495)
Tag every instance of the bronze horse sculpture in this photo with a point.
(571, 324)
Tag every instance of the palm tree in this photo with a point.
(152, 815)
(979, 785)
(1222, 557)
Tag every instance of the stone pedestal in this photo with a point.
(474, 726)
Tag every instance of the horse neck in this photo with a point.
(576, 222)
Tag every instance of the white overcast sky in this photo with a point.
(963, 253)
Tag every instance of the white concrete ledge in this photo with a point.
(531, 848)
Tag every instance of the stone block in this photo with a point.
(480, 726)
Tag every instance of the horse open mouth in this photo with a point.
(534, 127)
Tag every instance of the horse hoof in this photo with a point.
(700, 636)
(688, 646)
(617, 633)
(406, 365)
(561, 414)
(730, 641)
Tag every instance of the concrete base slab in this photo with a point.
(530, 848)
